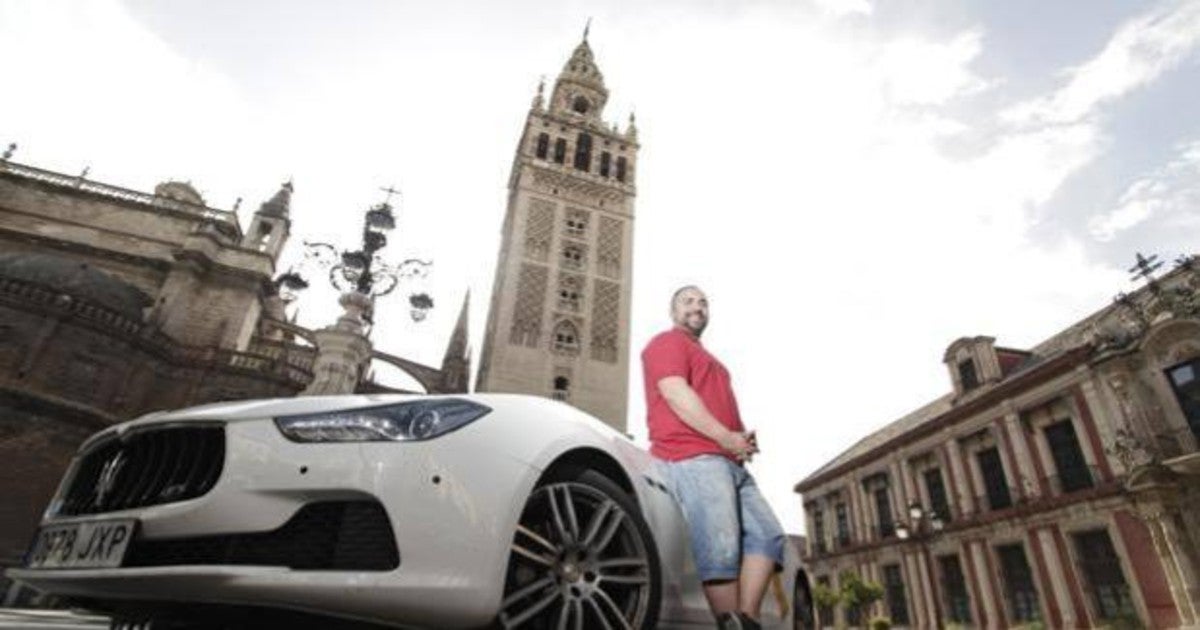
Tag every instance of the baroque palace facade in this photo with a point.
(1055, 487)
(116, 302)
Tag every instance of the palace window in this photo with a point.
(937, 494)
(842, 515)
(1105, 580)
(824, 612)
(1019, 589)
(819, 546)
(954, 590)
(967, 375)
(1073, 471)
(560, 151)
(883, 506)
(566, 338)
(605, 164)
(583, 152)
(621, 165)
(994, 483)
(893, 586)
(1185, 380)
(543, 146)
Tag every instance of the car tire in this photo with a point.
(582, 557)
(803, 612)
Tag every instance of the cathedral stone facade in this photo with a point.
(558, 324)
(1054, 487)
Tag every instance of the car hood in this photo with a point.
(246, 410)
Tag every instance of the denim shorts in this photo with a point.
(727, 516)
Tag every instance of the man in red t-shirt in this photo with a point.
(697, 433)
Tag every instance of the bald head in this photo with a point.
(689, 309)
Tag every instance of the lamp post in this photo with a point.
(923, 525)
(363, 273)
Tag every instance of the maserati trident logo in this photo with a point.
(108, 477)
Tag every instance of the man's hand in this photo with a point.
(743, 445)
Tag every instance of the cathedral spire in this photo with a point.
(457, 348)
(579, 88)
(456, 364)
(586, 28)
(279, 205)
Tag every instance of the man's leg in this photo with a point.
(722, 596)
(708, 496)
(752, 583)
(762, 546)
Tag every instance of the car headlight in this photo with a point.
(404, 422)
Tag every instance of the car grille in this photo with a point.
(147, 466)
(341, 535)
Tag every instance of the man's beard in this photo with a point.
(698, 328)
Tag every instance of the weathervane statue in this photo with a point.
(362, 274)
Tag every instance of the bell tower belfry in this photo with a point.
(558, 322)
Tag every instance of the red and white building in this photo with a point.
(1058, 485)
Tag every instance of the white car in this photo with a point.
(409, 511)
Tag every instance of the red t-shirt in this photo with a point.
(677, 353)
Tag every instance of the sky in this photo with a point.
(855, 183)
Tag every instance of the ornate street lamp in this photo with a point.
(364, 271)
(923, 524)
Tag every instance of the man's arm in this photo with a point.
(686, 404)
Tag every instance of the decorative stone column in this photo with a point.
(1156, 493)
(1173, 550)
(343, 350)
(1026, 472)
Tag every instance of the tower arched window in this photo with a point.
(574, 256)
(605, 164)
(565, 339)
(621, 166)
(570, 293)
(543, 146)
(583, 152)
(580, 105)
(560, 150)
(562, 388)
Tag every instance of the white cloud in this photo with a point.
(1139, 52)
(923, 72)
(844, 7)
(89, 81)
(1170, 193)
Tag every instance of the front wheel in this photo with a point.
(582, 557)
(803, 613)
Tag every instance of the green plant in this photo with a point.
(856, 591)
(1127, 621)
(880, 623)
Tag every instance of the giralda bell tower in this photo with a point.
(558, 324)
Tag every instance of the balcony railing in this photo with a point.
(983, 502)
(116, 192)
(1073, 479)
(1177, 442)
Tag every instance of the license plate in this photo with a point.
(83, 545)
